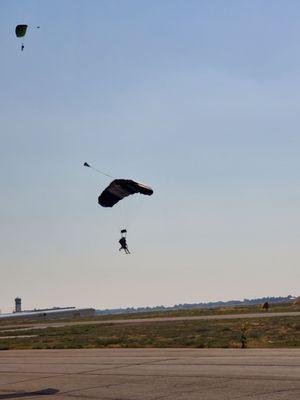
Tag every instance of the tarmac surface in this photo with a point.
(151, 374)
(25, 327)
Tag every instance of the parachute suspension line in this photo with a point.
(122, 217)
(97, 170)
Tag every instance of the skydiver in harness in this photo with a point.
(123, 242)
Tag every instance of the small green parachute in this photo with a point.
(21, 30)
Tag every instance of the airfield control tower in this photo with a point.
(18, 304)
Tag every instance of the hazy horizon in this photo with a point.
(198, 99)
(24, 308)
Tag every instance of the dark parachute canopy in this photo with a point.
(120, 188)
(21, 30)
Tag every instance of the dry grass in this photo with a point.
(264, 332)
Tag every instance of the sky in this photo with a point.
(198, 99)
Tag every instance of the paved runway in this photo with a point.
(151, 374)
(25, 327)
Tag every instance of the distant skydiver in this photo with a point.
(20, 31)
(123, 244)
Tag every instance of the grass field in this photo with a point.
(258, 332)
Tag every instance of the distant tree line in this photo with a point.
(187, 306)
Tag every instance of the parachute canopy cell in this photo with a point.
(120, 188)
(21, 30)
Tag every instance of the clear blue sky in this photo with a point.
(199, 99)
